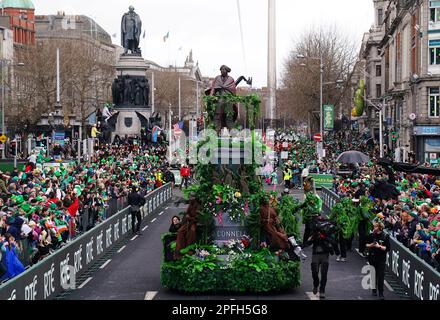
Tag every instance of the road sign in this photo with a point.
(317, 137)
(3, 138)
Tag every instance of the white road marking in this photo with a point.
(85, 282)
(145, 228)
(105, 264)
(388, 286)
(134, 238)
(167, 208)
(161, 213)
(150, 295)
(152, 221)
(312, 296)
(120, 250)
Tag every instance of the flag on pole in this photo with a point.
(165, 38)
(155, 132)
(144, 34)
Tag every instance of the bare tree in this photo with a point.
(86, 74)
(300, 95)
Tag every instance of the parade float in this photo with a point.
(234, 236)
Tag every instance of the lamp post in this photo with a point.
(321, 77)
(170, 113)
(3, 63)
(379, 108)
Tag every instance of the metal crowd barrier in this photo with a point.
(54, 274)
(329, 198)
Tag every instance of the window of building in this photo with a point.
(380, 16)
(378, 90)
(434, 52)
(378, 70)
(435, 10)
(434, 99)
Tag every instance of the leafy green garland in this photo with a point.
(251, 103)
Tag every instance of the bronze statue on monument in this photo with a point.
(131, 28)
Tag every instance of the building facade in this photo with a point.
(20, 17)
(402, 58)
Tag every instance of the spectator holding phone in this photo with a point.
(378, 244)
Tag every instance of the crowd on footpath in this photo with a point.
(42, 208)
(413, 217)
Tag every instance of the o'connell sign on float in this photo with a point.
(227, 230)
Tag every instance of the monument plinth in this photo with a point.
(131, 88)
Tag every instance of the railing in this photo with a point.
(419, 279)
(58, 271)
(329, 198)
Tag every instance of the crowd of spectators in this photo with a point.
(42, 209)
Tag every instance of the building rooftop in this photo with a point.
(70, 25)
(20, 4)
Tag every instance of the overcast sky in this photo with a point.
(211, 28)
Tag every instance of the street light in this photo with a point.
(379, 108)
(321, 75)
(3, 62)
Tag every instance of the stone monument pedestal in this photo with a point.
(128, 122)
(131, 96)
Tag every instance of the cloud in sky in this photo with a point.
(211, 28)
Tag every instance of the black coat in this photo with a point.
(135, 199)
(376, 254)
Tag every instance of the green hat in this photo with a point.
(438, 234)
(432, 233)
(53, 206)
(413, 214)
(39, 198)
(18, 199)
(406, 200)
(57, 173)
(434, 223)
(26, 207)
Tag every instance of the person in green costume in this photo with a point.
(311, 207)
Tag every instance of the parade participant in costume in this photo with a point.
(311, 207)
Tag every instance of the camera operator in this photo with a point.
(323, 242)
(378, 244)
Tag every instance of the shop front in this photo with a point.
(427, 143)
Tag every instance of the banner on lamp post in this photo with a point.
(329, 117)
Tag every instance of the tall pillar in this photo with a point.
(272, 62)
